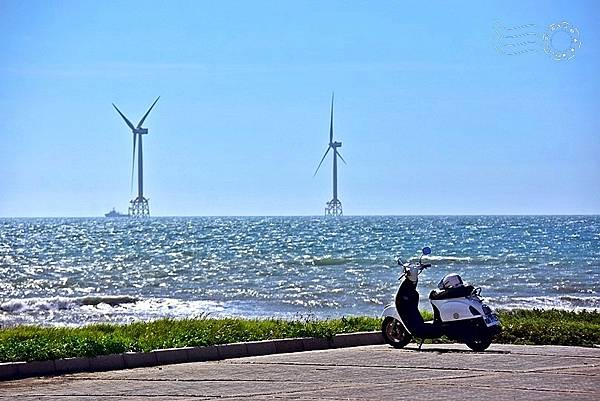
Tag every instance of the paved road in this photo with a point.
(504, 372)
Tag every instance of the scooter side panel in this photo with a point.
(456, 309)
(391, 311)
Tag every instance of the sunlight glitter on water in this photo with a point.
(284, 266)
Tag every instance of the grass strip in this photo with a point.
(550, 327)
(27, 343)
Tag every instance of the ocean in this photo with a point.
(74, 271)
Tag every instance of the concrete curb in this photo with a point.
(128, 360)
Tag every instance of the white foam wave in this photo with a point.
(449, 258)
(63, 311)
(559, 302)
(62, 303)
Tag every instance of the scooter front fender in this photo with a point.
(390, 310)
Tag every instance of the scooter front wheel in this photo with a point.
(394, 332)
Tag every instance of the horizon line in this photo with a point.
(320, 215)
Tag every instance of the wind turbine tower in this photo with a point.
(139, 205)
(334, 206)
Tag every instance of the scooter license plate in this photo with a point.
(490, 319)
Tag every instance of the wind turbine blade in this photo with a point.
(124, 118)
(133, 162)
(338, 153)
(148, 112)
(331, 122)
(327, 151)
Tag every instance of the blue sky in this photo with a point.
(434, 119)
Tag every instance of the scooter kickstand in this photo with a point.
(421, 343)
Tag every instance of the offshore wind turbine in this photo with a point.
(334, 206)
(139, 205)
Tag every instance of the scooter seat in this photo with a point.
(458, 292)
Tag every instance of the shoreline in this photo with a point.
(79, 311)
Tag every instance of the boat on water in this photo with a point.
(114, 213)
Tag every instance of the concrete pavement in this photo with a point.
(504, 372)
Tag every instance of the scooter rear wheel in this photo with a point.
(394, 333)
(480, 344)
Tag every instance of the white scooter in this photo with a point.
(458, 312)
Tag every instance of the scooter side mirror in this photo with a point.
(426, 250)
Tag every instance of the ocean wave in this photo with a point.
(556, 302)
(63, 311)
(328, 261)
(62, 303)
(470, 260)
(449, 258)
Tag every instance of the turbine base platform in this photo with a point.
(334, 208)
(139, 207)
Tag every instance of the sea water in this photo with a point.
(73, 271)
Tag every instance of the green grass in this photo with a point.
(25, 343)
(550, 327)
